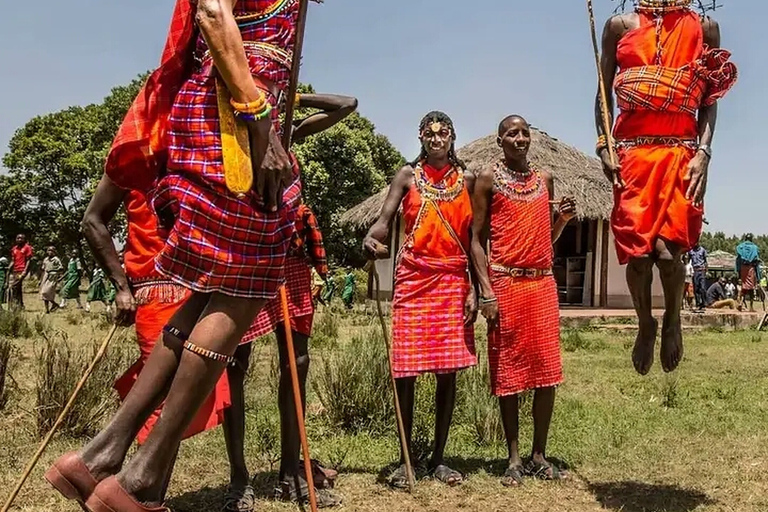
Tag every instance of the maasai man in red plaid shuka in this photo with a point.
(433, 307)
(306, 249)
(668, 73)
(228, 250)
(518, 292)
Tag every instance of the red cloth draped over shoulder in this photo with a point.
(666, 74)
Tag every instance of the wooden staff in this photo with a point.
(290, 104)
(31, 465)
(603, 94)
(398, 413)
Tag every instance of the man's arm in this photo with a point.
(333, 108)
(565, 211)
(28, 255)
(378, 236)
(102, 208)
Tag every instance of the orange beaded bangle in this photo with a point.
(251, 107)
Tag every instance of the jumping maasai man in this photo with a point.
(306, 250)
(511, 204)
(748, 269)
(53, 272)
(228, 249)
(669, 73)
(434, 307)
(71, 288)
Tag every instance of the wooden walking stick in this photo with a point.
(398, 412)
(31, 465)
(290, 105)
(603, 94)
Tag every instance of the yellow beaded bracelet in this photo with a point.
(251, 107)
(297, 99)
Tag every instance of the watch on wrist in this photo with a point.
(706, 149)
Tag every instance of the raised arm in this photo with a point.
(333, 108)
(481, 224)
(707, 119)
(102, 208)
(375, 241)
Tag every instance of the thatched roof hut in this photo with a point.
(576, 175)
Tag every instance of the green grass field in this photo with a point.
(693, 441)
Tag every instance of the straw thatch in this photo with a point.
(575, 173)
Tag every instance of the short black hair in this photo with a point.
(503, 123)
(439, 117)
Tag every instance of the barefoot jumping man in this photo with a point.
(434, 307)
(513, 218)
(228, 249)
(306, 249)
(668, 72)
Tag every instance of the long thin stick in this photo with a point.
(293, 85)
(601, 85)
(297, 400)
(31, 465)
(398, 412)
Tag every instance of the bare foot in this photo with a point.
(671, 344)
(642, 354)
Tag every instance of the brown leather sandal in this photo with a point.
(109, 496)
(71, 477)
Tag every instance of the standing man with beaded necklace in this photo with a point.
(669, 73)
(434, 307)
(511, 204)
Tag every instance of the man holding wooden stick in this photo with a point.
(203, 136)
(668, 71)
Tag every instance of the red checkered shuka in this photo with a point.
(308, 240)
(217, 242)
(524, 348)
(298, 287)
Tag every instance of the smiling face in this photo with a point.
(514, 138)
(436, 139)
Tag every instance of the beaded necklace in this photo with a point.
(662, 6)
(254, 18)
(439, 191)
(518, 186)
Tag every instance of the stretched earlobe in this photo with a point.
(498, 141)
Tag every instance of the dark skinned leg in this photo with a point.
(510, 418)
(406, 394)
(445, 402)
(234, 419)
(290, 442)
(672, 273)
(543, 405)
(639, 280)
(219, 329)
(105, 454)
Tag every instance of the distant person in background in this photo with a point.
(21, 254)
(748, 268)
(71, 288)
(688, 295)
(698, 257)
(716, 298)
(53, 272)
(348, 294)
(4, 267)
(730, 289)
(99, 290)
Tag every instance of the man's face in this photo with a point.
(436, 139)
(50, 252)
(21, 240)
(516, 138)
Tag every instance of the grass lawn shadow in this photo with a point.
(631, 496)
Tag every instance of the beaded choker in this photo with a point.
(662, 6)
(439, 191)
(519, 186)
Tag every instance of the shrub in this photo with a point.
(7, 350)
(59, 368)
(14, 324)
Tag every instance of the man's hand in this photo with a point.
(125, 306)
(611, 170)
(470, 307)
(698, 169)
(271, 164)
(374, 249)
(567, 209)
(489, 308)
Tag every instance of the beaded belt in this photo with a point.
(522, 272)
(657, 141)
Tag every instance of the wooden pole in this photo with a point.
(68, 407)
(290, 105)
(603, 94)
(398, 412)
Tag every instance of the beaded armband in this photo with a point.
(602, 143)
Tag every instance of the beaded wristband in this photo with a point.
(602, 143)
(251, 107)
(203, 352)
(249, 117)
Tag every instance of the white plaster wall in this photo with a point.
(618, 293)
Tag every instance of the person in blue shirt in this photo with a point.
(698, 257)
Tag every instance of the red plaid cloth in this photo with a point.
(524, 348)
(298, 287)
(428, 331)
(308, 240)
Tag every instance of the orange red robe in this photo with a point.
(432, 282)
(524, 347)
(157, 300)
(666, 74)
